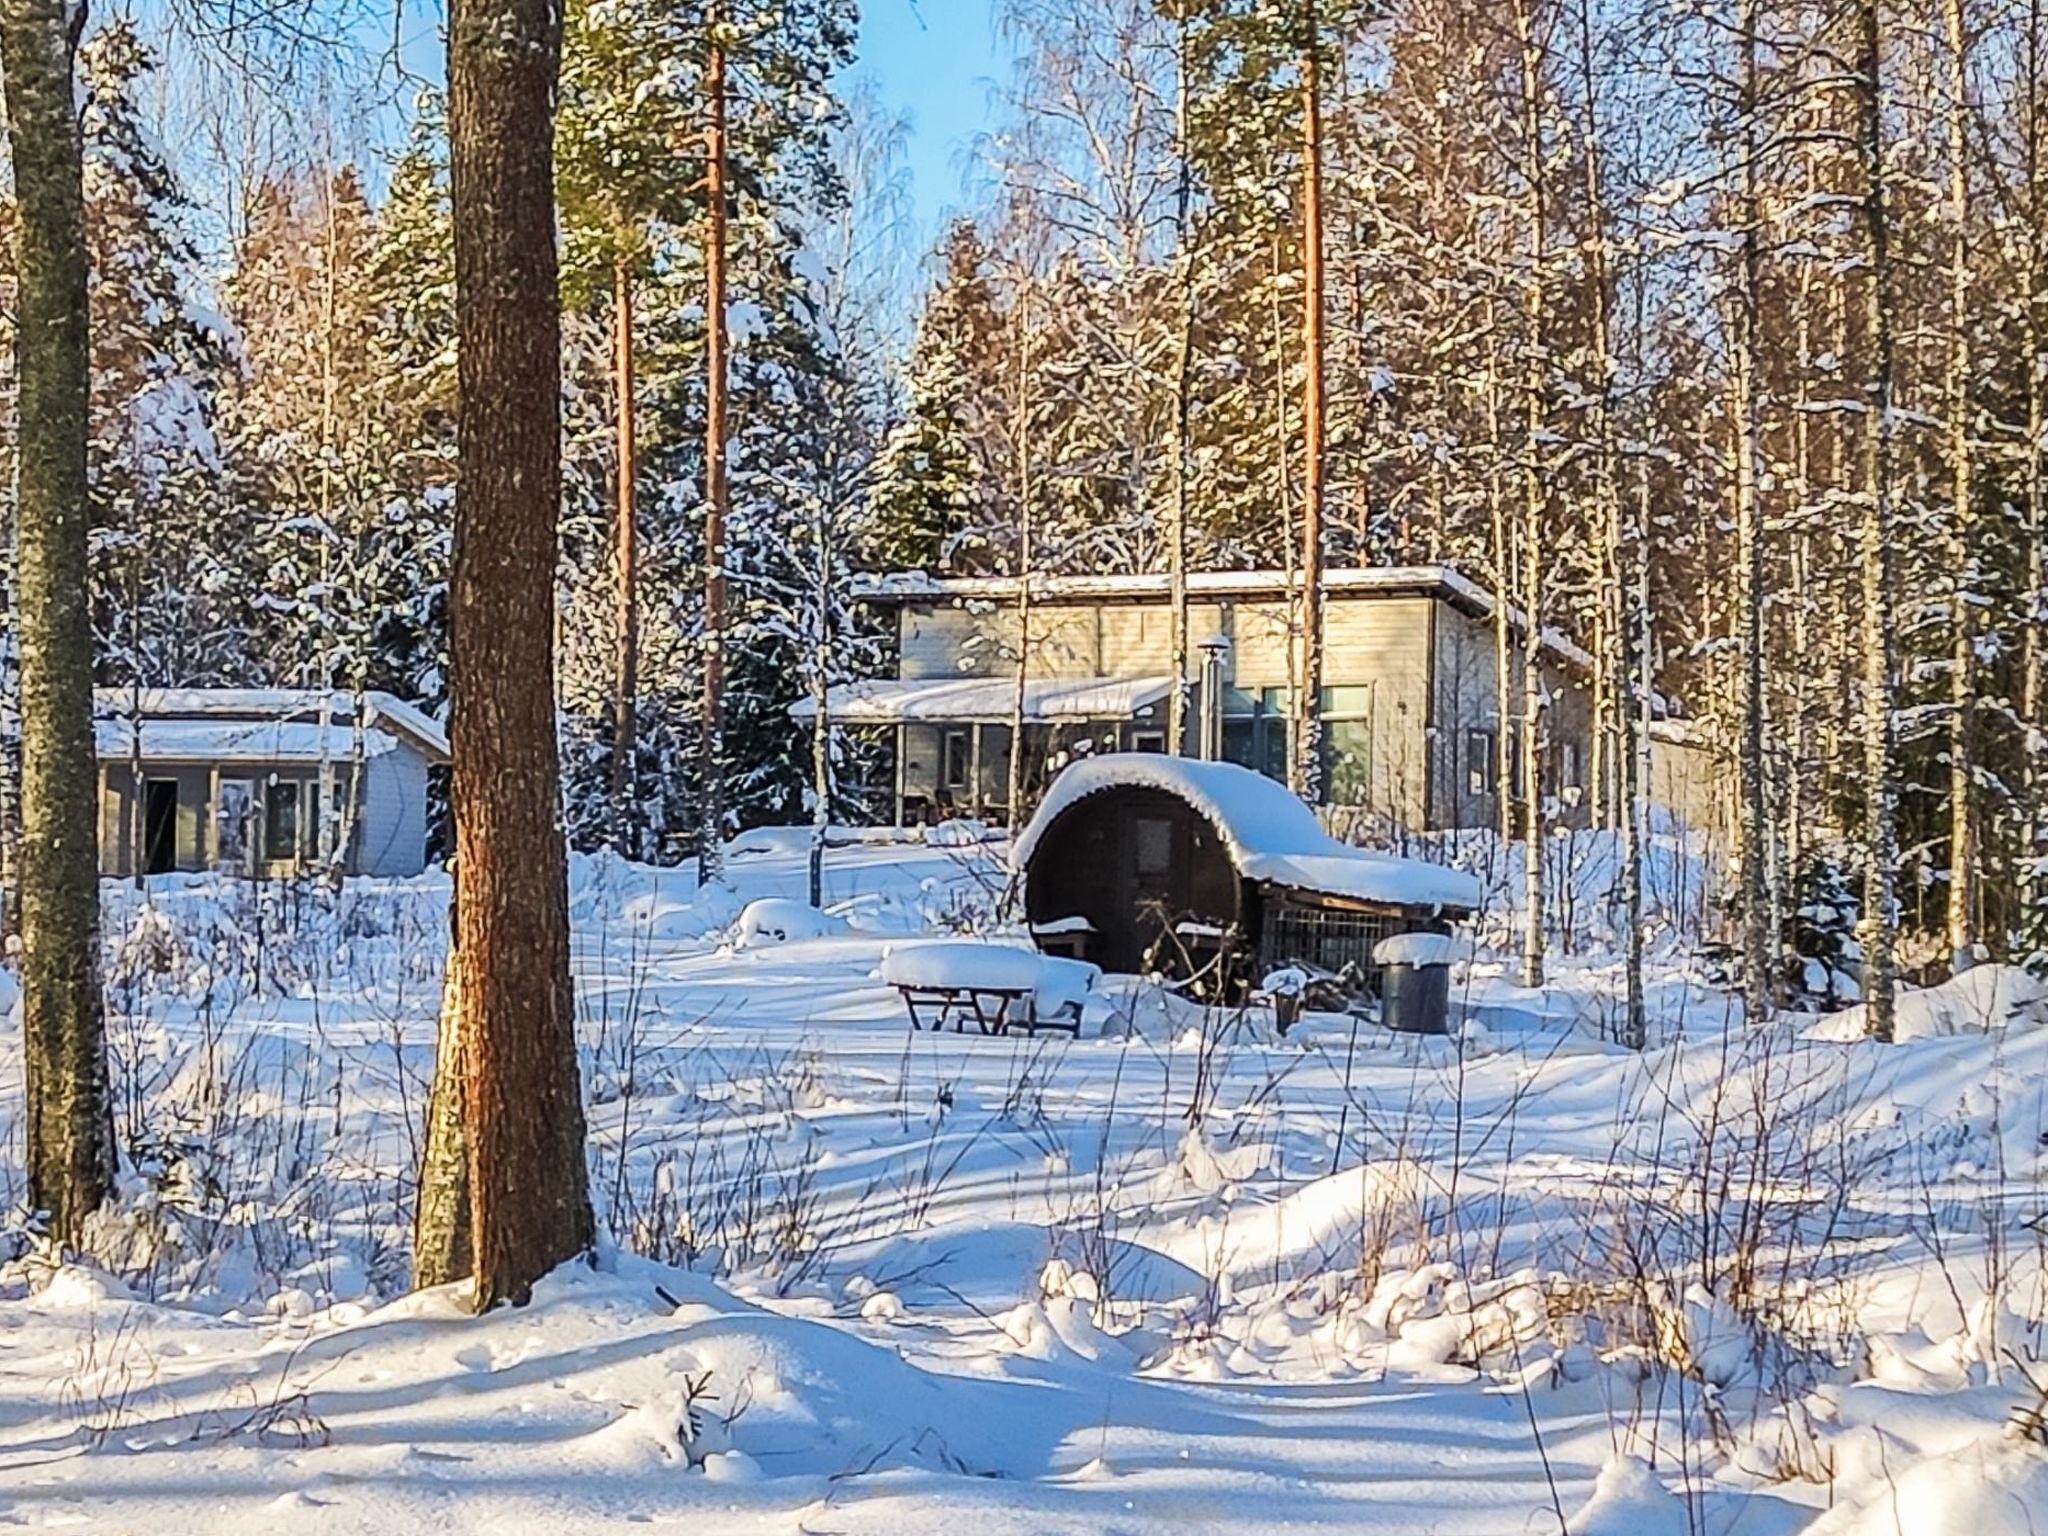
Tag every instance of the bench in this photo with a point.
(996, 987)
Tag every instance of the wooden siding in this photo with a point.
(389, 837)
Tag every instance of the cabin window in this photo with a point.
(1481, 762)
(1154, 852)
(1569, 767)
(1148, 741)
(291, 820)
(1347, 743)
(956, 758)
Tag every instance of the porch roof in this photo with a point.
(991, 700)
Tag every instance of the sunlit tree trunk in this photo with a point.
(626, 559)
(523, 1122)
(1963, 535)
(70, 1150)
(1879, 646)
(711, 743)
(1308, 763)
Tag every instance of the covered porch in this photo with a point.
(952, 735)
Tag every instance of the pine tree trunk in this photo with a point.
(1880, 666)
(1536, 430)
(70, 1138)
(711, 738)
(1308, 771)
(523, 1108)
(1963, 536)
(626, 558)
(1183, 405)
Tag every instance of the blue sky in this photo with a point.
(936, 61)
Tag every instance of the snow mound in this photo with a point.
(1628, 1500)
(776, 920)
(1983, 998)
(1987, 1488)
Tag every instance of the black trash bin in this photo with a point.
(1415, 982)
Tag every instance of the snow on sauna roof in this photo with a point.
(889, 701)
(1272, 836)
(1439, 581)
(235, 741)
(268, 707)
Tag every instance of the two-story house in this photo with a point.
(1411, 714)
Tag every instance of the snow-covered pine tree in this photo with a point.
(166, 604)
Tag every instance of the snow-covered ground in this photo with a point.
(1179, 1274)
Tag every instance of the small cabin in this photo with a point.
(240, 779)
(1207, 871)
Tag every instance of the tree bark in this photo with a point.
(1183, 404)
(711, 738)
(1963, 536)
(70, 1137)
(1754, 820)
(1879, 919)
(1026, 496)
(1308, 753)
(626, 558)
(441, 1217)
(523, 1108)
(1536, 428)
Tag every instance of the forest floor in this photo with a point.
(1181, 1274)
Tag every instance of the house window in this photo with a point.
(291, 820)
(1148, 741)
(956, 759)
(1481, 762)
(1347, 743)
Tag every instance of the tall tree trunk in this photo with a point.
(70, 1130)
(1183, 402)
(1614, 735)
(711, 739)
(626, 558)
(821, 690)
(1536, 406)
(1880, 664)
(1754, 819)
(1963, 536)
(1026, 494)
(1308, 767)
(2033, 613)
(523, 1106)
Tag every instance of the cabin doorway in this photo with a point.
(159, 826)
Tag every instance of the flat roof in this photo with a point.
(1435, 581)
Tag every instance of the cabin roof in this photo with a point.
(235, 741)
(891, 701)
(235, 711)
(1438, 581)
(1272, 837)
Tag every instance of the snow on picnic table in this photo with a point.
(1176, 1275)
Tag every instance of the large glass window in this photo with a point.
(1347, 743)
(291, 820)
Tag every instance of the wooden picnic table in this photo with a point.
(996, 987)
